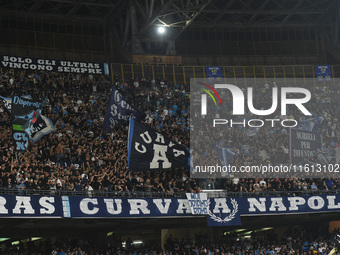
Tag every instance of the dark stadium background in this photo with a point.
(249, 39)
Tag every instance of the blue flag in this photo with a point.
(224, 154)
(39, 126)
(27, 121)
(329, 156)
(119, 110)
(251, 131)
(310, 125)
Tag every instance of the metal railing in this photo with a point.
(178, 74)
(224, 193)
(86, 193)
(149, 194)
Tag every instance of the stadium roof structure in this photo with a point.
(134, 21)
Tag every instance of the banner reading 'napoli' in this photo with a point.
(222, 211)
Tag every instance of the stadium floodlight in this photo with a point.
(161, 30)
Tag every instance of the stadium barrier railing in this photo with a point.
(180, 74)
(145, 194)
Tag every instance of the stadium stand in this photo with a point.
(72, 192)
(296, 241)
(79, 156)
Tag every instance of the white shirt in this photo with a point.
(236, 180)
(262, 183)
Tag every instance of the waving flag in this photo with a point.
(28, 116)
(119, 110)
(225, 155)
(7, 102)
(252, 131)
(310, 125)
(38, 127)
(150, 150)
(329, 156)
(21, 106)
(27, 121)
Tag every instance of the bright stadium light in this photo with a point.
(161, 30)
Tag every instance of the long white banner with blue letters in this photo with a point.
(222, 211)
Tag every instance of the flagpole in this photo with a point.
(130, 134)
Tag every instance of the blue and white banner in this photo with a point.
(323, 73)
(310, 125)
(22, 110)
(20, 138)
(23, 107)
(303, 145)
(224, 212)
(30, 206)
(119, 110)
(213, 73)
(64, 66)
(221, 211)
(96, 207)
(27, 121)
(199, 203)
(106, 69)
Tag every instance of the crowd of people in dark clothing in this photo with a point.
(80, 156)
(293, 241)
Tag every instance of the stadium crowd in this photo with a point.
(80, 156)
(270, 144)
(294, 242)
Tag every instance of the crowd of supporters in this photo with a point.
(80, 156)
(297, 242)
(270, 144)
